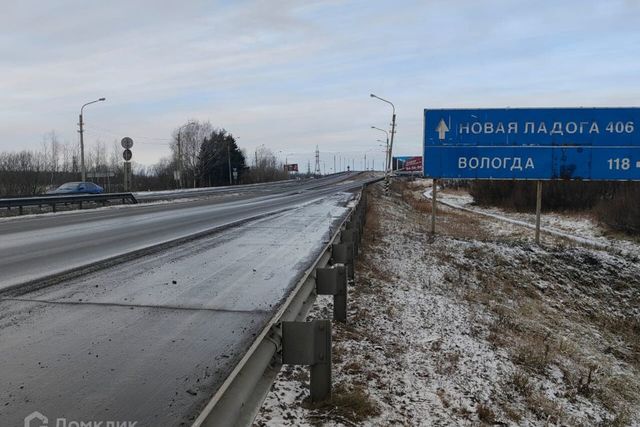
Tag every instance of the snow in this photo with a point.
(475, 325)
(578, 228)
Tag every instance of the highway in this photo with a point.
(149, 336)
(39, 246)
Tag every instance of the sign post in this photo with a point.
(538, 209)
(127, 144)
(434, 196)
(597, 144)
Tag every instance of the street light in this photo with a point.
(84, 171)
(393, 126)
(386, 159)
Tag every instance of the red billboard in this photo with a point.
(292, 167)
(413, 164)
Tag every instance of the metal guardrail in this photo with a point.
(240, 397)
(53, 200)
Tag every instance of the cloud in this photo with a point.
(293, 75)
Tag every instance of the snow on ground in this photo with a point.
(474, 326)
(580, 227)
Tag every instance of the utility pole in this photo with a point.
(82, 169)
(393, 131)
(334, 164)
(179, 162)
(81, 124)
(229, 160)
(317, 171)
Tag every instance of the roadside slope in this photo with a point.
(476, 326)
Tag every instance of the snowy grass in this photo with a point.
(476, 325)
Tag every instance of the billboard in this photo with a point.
(407, 163)
(291, 167)
(533, 143)
(413, 164)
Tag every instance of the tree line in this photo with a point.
(200, 156)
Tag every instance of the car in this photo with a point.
(77, 188)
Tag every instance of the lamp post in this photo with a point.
(385, 146)
(82, 168)
(393, 127)
(386, 158)
(229, 160)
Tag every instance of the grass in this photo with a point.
(485, 413)
(347, 402)
(582, 311)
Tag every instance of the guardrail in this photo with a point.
(53, 200)
(287, 338)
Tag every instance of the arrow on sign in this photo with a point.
(442, 129)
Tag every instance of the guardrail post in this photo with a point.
(53, 207)
(342, 253)
(20, 210)
(309, 343)
(333, 281)
(350, 235)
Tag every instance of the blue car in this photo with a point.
(77, 188)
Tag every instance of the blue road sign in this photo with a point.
(533, 143)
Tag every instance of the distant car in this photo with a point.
(77, 188)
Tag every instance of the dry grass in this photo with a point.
(485, 414)
(569, 325)
(347, 403)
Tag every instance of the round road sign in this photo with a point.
(126, 154)
(126, 143)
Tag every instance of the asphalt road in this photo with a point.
(39, 246)
(151, 338)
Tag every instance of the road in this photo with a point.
(151, 338)
(39, 246)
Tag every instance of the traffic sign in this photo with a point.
(533, 143)
(127, 143)
(126, 155)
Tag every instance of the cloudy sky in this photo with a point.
(295, 74)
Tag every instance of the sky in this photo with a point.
(291, 75)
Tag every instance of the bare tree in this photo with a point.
(185, 147)
(266, 167)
